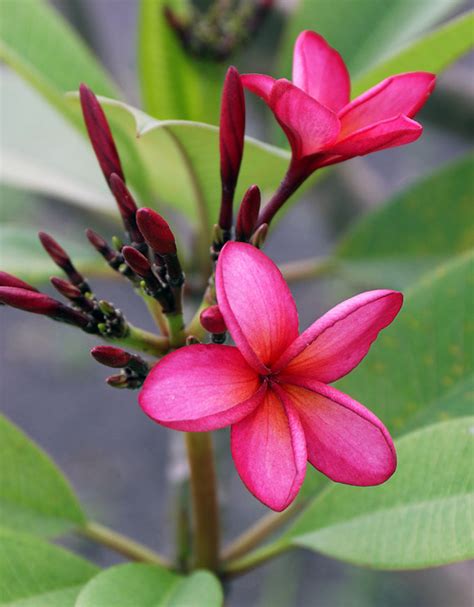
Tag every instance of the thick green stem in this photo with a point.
(209, 299)
(254, 559)
(144, 341)
(204, 499)
(123, 545)
(156, 312)
(176, 329)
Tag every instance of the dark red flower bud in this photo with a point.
(118, 381)
(212, 320)
(101, 245)
(66, 288)
(8, 280)
(260, 235)
(156, 232)
(62, 259)
(111, 356)
(137, 261)
(231, 142)
(248, 214)
(127, 207)
(100, 134)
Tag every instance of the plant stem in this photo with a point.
(123, 545)
(204, 499)
(209, 299)
(259, 531)
(254, 559)
(306, 268)
(144, 341)
(156, 312)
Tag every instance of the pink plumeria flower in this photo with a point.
(272, 389)
(322, 125)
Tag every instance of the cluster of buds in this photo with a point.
(133, 369)
(222, 30)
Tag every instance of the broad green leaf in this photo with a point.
(138, 585)
(22, 254)
(421, 368)
(181, 161)
(428, 223)
(434, 52)
(41, 151)
(174, 84)
(34, 496)
(37, 574)
(365, 31)
(40, 45)
(420, 518)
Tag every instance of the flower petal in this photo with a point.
(401, 94)
(269, 452)
(320, 71)
(309, 125)
(345, 441)
(200, 388)
(260, 84)
(339, 340)
(256, 304)
(387, 134)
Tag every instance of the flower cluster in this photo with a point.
(273, 387)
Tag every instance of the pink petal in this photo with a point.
(345, 441)
(402, 94)
(320, 71)
(256, 304)
(200, 388)
(269, 452)
(309, 125)
(386, 134)
(260, 84)
(339, 340)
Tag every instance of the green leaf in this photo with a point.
(138, 585)
(365, 31)
(181, 160)
(174, 84)
(40, 45)
(434, 52)
(395, 244)
(419, 518)
(23, 255)
(41, 151)
(421, 369)
(36, 574)
(34, 496)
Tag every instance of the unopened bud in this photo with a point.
(231, 142)
(118, 381)
(62, 259)
(111, 356)
(127, 207)
(100, 134)
(212, 320)
(259, 236)
(107, 308)
(156, 232)
(8, 280)
(138, 262)
(66, 288)
(248, 214)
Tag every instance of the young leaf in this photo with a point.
(421, 369)
(36, 574)
(174, 83)
(395, 244)
(34, 496)
(138, 585)
(419, 518)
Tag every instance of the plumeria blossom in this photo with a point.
(272, 388)
(321, 123)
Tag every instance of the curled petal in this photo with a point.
(403, 94)
(269, 452)
(345, 441)
(387, 134)
(200, 388)
(260, 84)
(309, 125)
(320, 71)
(256, 304)
(339, 340)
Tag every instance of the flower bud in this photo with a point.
(212, 320)
(259, 236)
(101, 245)
(127, 207)
(62, 259)
(248, 214)
(137, 261)
(231, 142)
(100, 134)
(156, 232)
(111, 356)
(8, 280)
(118, 381)
(66, 288)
